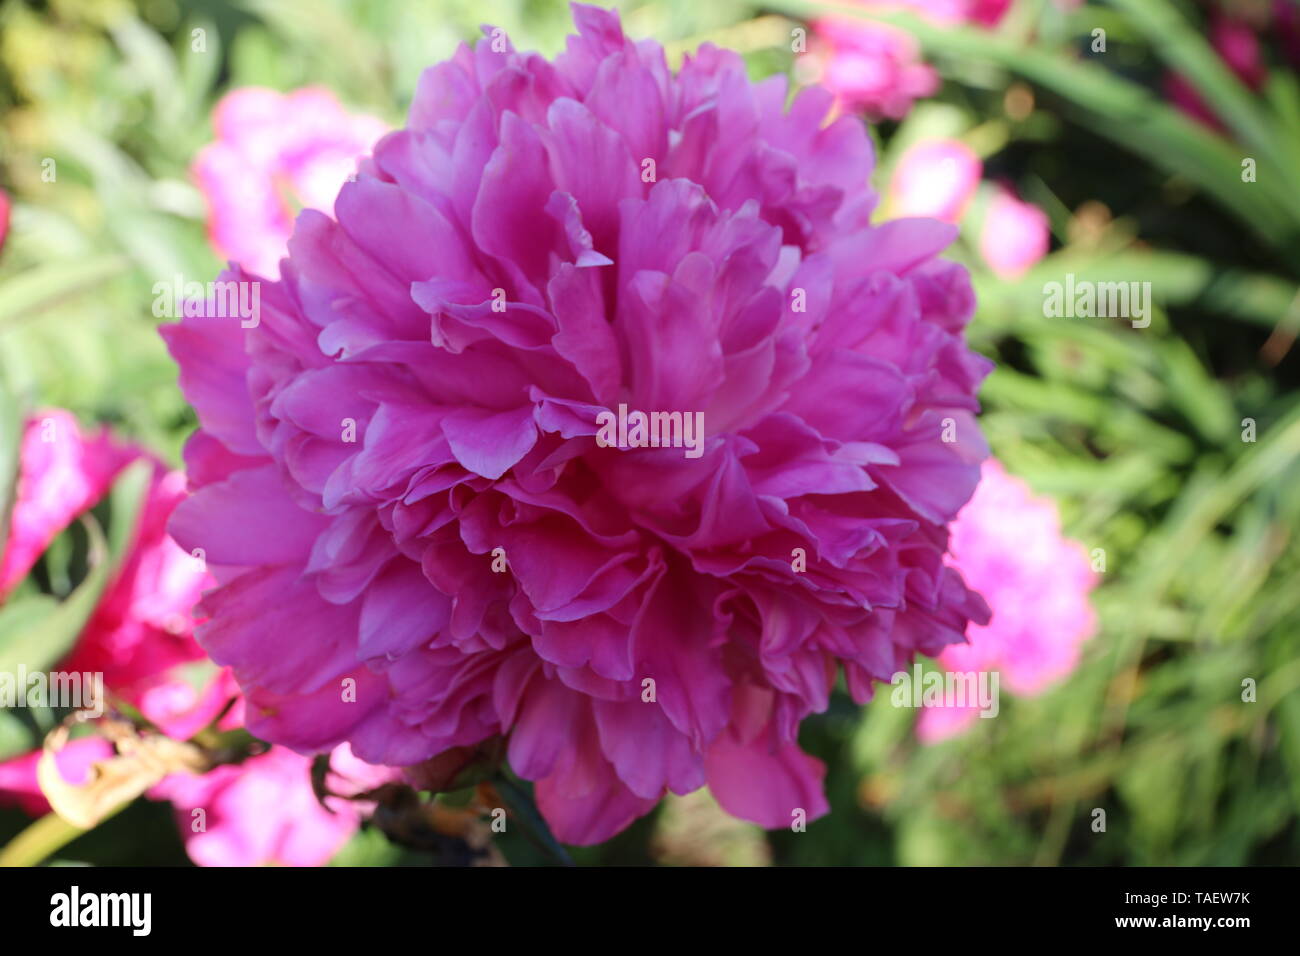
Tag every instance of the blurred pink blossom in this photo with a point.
(274, 153)
(1008, 546)
(61, 474)
(4, 217)
(936, 178)
(140, 638)
(871, 67)
(875, 68)
(985, 13)
(264, 812)
(1015, 235)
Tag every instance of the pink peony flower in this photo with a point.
(872, 68)
(1015, 235)
(275, 153)
(935, 178)
(397, 474)
(1007, 544)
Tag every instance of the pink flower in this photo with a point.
(140, 639)
(61, 474)
(1007, 544)
(871, 68)
(275, 152)
(140, 635)
(1015, 235)
(264, 812)
(935, 178)
(398, 474)
(875, 68)
(4, 217)
(141, 628)
(985, 13)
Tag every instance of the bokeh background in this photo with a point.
(1136, 433)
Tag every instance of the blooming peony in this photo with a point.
(1007, 544)
(872, 68)
(275, 153)
(418, 540)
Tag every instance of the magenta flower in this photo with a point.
(1008, 546)
(275, 153)
(141, 632)
(61, 474)
(985, 13)
(4, 217)
(1014, 236)
(141, 628)
(398, 474)
(935, 178)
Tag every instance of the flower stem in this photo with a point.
(41, 839)
(521, 805)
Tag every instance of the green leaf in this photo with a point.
(1187, 52)
(29, 292)
(15, 738)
